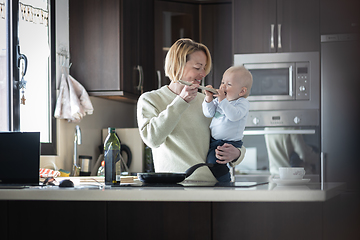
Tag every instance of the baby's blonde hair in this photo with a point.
(178, 55)
(243, 75)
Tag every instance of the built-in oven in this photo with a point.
(283, 81)
(283, 125)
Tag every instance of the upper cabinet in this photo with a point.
(339, 17)
(173, 20)
(267, 26)
(111, 46)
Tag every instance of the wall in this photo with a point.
(106, 112)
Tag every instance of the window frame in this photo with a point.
(13, 51)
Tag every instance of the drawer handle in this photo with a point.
(272, 45)
(279, 36)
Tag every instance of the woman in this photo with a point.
(171, 121)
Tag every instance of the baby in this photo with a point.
(229, 112)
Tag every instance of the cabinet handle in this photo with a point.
(159, 78)
(141, 79)
(272, 45)
(279, 36)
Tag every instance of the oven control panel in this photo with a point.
(283, 118)
(302, 79)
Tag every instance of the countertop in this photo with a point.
(94, 191)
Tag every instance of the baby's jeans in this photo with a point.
(220, 171)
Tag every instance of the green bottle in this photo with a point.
(111, 156)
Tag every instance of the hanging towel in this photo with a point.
(73, 102)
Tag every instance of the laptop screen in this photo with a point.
(19, 158)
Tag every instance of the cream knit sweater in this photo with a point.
(177, 132)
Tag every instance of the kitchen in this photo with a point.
(105, 115)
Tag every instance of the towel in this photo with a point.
(73, 102)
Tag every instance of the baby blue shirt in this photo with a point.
(229, 118)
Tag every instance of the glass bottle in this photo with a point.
(111, 156)
(101, 170)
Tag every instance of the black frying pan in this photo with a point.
(170, 177)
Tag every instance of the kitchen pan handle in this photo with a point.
(193, 168)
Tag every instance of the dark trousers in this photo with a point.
(220, 171)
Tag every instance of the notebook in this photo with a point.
(19, 158)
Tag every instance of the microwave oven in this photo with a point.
(283, 81)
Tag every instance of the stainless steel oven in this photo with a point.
(283, 125)
(283, 81)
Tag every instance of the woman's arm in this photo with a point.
(156, 123)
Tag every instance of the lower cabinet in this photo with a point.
(159, 220)
(3, 219)
(56, 220)
(337, 218)
(268, 220)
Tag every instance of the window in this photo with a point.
(27, 55)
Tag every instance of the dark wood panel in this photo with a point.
(252, 25)
(159, 220)
(216, 34)
(94, 31)
(300, 25)
(163, 9)
(57, 220)
(3, 220)
(339, 16)
(288, 220)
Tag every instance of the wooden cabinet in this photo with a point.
(4, 219)
(56, 220)
(173, 20)
(110, 46)
(159, 220)
(216, 34)
(339, 16)
(265, 26)
(267, 220)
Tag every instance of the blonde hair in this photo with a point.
(244, 76)
(178, 55)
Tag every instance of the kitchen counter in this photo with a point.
(175, 212)
(243, 192)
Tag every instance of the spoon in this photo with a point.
(201, 87)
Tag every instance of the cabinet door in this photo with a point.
(298, 26)
(254, 26)
(159, 220)
(173, 20)
(4, 219)
(338, 16)
(94, 29)
(130, 47)
(216, 32)
(265, 26)
(56, 220)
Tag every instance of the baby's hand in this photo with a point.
(209, 95)
(221, 94)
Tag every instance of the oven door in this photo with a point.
(269, 148)
(272, 81)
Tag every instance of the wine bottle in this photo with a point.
(111, 156)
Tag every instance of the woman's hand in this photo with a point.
(188, 93)
(227, 153)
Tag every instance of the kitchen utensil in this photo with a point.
(170, 177)
(85, 162)
(213, 90)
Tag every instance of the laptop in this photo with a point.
(19, 159)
